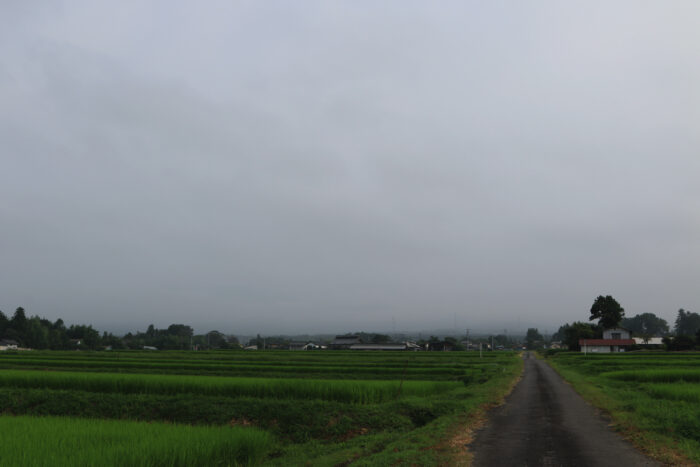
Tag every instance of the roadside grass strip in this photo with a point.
(349, 391)
(60, 441)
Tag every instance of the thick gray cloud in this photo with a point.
(284, 166)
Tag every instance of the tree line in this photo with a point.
(40, 333)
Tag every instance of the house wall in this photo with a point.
(624, 333)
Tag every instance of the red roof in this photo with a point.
(606, 342)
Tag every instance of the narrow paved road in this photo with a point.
(544, 422)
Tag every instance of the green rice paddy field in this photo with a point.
(244, 408)
(654, 397)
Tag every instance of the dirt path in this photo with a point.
(545, 423)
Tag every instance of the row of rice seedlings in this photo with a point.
(263, 358)
(642, 365)
(60, 441)
(274, 365)
(409, 372)
(285, 355)
(597, 364)
(689, 392)
(605, 369)
(655, 376)
(349, 391)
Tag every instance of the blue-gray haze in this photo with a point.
(286, 166)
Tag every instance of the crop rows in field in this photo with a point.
(350, 391)
(319, 400)
(344, 366)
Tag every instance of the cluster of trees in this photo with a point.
(646, 325)
(609, 313)
(40, 333)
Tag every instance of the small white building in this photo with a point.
(614, 340)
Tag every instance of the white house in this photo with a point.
(614, 340)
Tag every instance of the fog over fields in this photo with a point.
(290, 167)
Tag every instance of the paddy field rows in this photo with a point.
(243, 408)
(654, 397)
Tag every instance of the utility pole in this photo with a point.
(467, 338)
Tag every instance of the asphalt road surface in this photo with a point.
(544, 422)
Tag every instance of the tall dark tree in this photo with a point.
(687, 323)
(533, 338)
(607, 311)
(36, 335)
(4, 323)
(19, 321)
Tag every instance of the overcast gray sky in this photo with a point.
(287, 166)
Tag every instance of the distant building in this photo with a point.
(344, 342)
(441, 346)
(8, 344)
(392, 346)
(148, 347)
(614, 340)
(302, 345)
